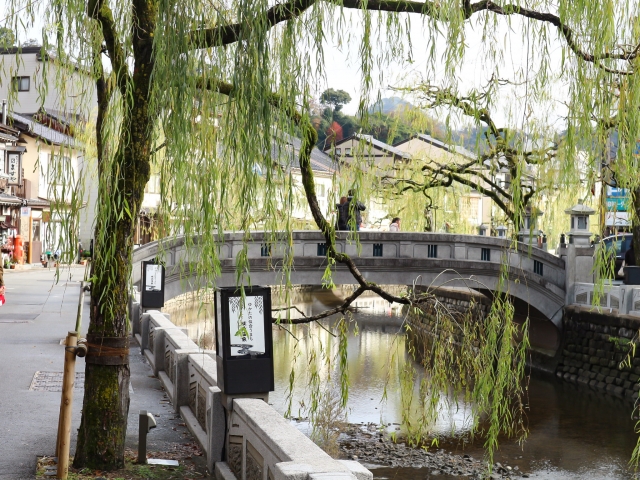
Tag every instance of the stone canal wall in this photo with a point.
(597, 351)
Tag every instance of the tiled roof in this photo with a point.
(449, 148)
(5, 137)
(385, 147)
(382, 146)
(63, 117)
(37, 202)
(6, 199)
(320, 161)
(45, 133)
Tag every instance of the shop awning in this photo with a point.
(9, 199)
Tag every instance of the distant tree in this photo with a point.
(7, 37)
(336, 98)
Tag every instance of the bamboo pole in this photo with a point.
(78, 326)
(68, 382)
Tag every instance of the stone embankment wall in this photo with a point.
(597, 351)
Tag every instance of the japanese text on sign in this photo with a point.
(153, 281)
(246, 325)
(14, 168)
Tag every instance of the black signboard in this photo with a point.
(152, 288)
(244, 344)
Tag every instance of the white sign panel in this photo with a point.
(25, 211)
(246, 326)
(14, 168)
(153, 281)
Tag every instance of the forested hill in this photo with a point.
(391, 120)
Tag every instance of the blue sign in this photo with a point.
(617, 192)
(617, 204)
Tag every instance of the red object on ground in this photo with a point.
(18, 250)
(2, 301)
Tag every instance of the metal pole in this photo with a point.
(143, 429)
(68, 382)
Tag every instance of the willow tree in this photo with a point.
(202, 89)
(508, 169)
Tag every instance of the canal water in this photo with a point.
(574, 433)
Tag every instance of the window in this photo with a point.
(338, 151)
(320, 190)
(537, 267)
(35, 235)
(265, 250)
(322, 249)
(432, 251)
(582, 223)
(21, 84)
(347, 151)
(470, 207)
(377, 249)
(485, 255)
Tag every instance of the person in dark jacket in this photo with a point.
(343, 214)
(354, 210)
(630, 256)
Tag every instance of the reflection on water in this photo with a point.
(573, 433)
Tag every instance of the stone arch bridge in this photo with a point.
(536, 278)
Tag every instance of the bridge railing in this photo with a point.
(438, 246)
(625, 299)
(260, 441)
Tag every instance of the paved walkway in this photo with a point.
(37, 316)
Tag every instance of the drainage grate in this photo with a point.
(52, 382)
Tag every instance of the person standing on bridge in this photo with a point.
(395, 225)
(630, 256)
(343, 214)
(354, 210)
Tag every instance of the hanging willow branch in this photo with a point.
(232, 33)
(503, 155)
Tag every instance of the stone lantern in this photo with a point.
(483, 229)
(579, 233)
(502, 231)
(528, 232)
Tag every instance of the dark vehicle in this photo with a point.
(618, 245)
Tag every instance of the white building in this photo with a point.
(49, 102)
(32, 80)
(474, 208)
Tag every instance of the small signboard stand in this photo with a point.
(152, 292)
(244, 353)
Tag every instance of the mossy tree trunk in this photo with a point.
(103, 428)
(635, 223)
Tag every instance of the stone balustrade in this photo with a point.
(403, 258)
(625, 299)
(260, 443)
